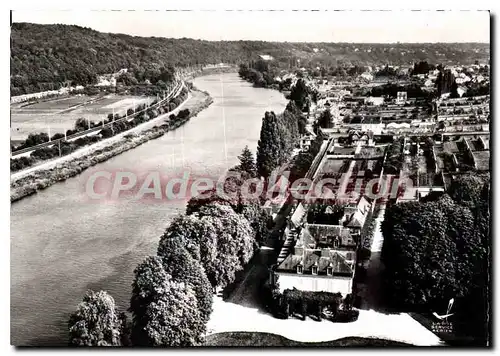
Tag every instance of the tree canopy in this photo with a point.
(437, 249)
(96, 322)
(326, 119)
(183, 268)
(300, 94)
(46, 57)
(268, 147)
(278, 137)
(222, 240)
(165, 313)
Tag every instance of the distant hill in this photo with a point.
(45, 56)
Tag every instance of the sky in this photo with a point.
(292, 26)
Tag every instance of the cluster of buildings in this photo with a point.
(106, 80)
(320, 252)
(44, 94)
(109, 80)
(439, 140)
(464, 76)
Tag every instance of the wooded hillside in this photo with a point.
(44, 56)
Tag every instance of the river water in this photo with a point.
(62, 244)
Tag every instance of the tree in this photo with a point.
(198, 236)
(57, 136)
(386, 72)
(243, 71)
(81, 124)
(196, 203)
(165, 313)
(454, 90)
(96, 321)
(326, 119)
(161, 84)
(348, 302)
(423, 274)
(302, 125)
(35, 139)
(268, 150)
(444, 81)
(259, 219)
(106, 132)
(173, 319)
(185, 269)
(422, 67)
(289, 129)
(466, 189)
(234, 231)
(286, 138)
(300, 93)
(222, 240)
(247, 163)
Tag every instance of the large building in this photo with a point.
(322, 257)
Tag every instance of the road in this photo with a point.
(371, 291)
(100, 144)
(95, 130)
(247, 291)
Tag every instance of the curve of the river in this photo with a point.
(62, 244)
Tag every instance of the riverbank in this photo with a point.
(43, 178)
(195, 73)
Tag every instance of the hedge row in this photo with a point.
(319, 305)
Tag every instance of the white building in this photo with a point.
(373, 100)
(402, 97)
(367, 76)
(461, 91)
(462, 78)
(480, 78)
(266, 57)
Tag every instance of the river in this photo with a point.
(62, 244)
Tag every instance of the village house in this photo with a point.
(361, 138)
(306, 140)
(402, 97)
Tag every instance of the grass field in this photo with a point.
(255, 339)
(60, 114)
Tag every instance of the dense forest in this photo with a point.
(43, 57)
